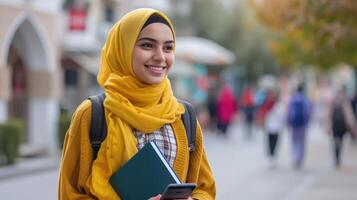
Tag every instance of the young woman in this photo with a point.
(139, 107)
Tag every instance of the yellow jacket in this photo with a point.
(77, 160)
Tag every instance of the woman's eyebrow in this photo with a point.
(153, 40)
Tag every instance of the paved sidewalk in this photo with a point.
(28, 166)
(331, 183)
(242, 171)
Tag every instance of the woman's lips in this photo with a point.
(156, 70)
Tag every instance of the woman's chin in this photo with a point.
(154, 81)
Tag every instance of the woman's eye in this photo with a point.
(147, 45)
(168, 48)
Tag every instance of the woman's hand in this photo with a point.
(157, 197)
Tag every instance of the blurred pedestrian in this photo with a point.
(299, 112)
(212, 110)
(259, 98)
(342, 121)
(226, 108)
(247, 104)
(265, 107)
(274, 126)
(354, 109)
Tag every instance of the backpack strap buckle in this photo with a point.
(96, 143)
(191, 147)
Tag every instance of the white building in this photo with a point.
(30, 75)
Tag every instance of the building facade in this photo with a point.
(29, 70)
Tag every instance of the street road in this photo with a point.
(242, 171)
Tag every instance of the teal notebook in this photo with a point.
(145, 175)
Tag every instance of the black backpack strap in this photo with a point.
(98, 127)
(189, 121)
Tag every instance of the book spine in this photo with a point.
(158, 152)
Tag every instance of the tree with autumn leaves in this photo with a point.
(318, 32)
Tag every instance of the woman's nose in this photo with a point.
(159, 55)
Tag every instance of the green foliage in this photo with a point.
(10, 138)
(209, 19)
(237, 29)
(64, 123)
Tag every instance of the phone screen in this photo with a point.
(178, 191)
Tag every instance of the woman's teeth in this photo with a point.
(155, 68)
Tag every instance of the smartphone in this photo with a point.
(178, 191)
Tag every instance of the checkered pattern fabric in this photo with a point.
(164, 139)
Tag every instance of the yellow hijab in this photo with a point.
(129, 103)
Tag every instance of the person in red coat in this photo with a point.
(226, 108)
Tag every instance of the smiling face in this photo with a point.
(153, 54)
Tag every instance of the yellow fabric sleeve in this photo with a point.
(77, 160)
(77, 157)
(200, 171)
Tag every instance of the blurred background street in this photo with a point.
(274, 83)
(243, 172)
